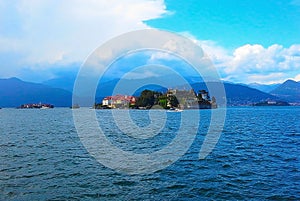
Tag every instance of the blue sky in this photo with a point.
(233, 23)
(248, 41)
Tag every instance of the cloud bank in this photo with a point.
(35, 34)
(39, 39)
(255, 63)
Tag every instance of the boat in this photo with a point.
(174, 110)
(178, 110)
(75, 106)
(44, 107)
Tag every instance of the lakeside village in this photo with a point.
(173, 99)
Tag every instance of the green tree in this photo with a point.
(162, 101)
(173, 101)
(146, 99)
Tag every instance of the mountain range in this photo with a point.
(288, 91)
(14, 92)
(264, 87)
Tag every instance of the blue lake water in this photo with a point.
(256, 158)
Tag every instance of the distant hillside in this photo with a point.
(263, 87)
(106, 88)
(238, 94)
(14, 92)
(65, 82)
(288, 91)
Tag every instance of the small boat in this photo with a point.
(175, 110)
(75, 106)
(44, 107)
(178, 110)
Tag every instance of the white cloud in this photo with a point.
(254, 63)
(297, 78)
(219, 56)
(34, 32)
(141, 74)
(250, 63)
(67, 31)
(217, 53)
(157, 56)
(270, 78)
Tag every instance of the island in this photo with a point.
(36, 106)
(171, 100)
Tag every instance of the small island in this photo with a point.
(36, 106)
(172, 99)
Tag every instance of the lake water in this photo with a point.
(256, 158)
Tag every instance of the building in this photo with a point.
(204, 95)
(119, 101)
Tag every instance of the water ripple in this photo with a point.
(256, 158)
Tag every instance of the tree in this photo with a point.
(173, 101)
(147, 99)
(162, 101)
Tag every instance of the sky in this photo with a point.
(248, 41)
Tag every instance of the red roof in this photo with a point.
(120, 97)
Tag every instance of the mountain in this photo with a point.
(105, 87)
(14, 92)
(64, 82)
(127, 86)
(263, 87)
(237, 94)
(288, 91)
